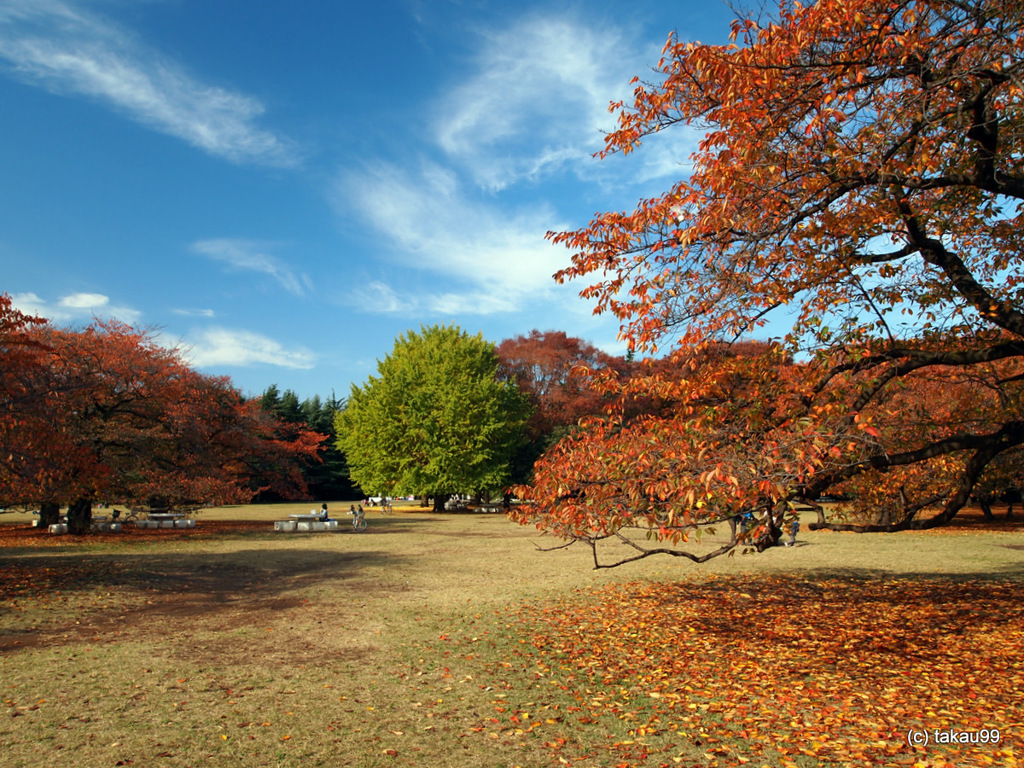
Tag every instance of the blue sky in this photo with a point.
(282, 188)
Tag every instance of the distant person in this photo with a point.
(323, 512)
(793, 528)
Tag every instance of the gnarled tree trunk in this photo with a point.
(80, 516)
(49, 514)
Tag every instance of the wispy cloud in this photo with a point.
(381, 298)
(491, 260)
(75, 307)
(537, 101)
(65, 49)
(213, 347)
(533, 108)
(194, 312)
(253, 256)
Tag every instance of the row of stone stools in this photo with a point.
(305, 525)
(106, 527)
(111, 527)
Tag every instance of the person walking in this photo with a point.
(793, 528)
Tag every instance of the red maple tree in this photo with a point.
(107, 414)
(554, 371)
(861, 169)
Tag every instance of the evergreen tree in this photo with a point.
(329, 479)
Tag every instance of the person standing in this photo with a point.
(793, 528)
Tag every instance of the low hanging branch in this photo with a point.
(862, 166)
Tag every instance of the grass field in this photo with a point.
(451, 640)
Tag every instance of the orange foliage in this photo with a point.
(106, 414)
(862, 169)
(773, 671)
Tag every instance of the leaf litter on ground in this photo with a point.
(771, 671)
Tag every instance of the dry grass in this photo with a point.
(266, 649)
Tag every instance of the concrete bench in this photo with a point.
(291, 526)
(97, 525)
(183, 522)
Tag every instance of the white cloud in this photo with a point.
(380, 298)
(496, 259)
(533, 108)
(252, 255)
(89, 301)
(536, 104)
(538, 101)
(64, 49)
(195, 312)
(222, 346)
(75, 307)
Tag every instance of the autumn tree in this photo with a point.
(860, 174)
(435, 420)
(24, 436)
(329, 476)
(111, 416)
(552, 370)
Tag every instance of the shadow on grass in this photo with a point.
(86, 594)
(219, 574)
(917, 609)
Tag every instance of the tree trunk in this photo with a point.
(439, 500)
(49, 514)
(80, 516)
(1011, 496)
(986, 507)
(769, 534)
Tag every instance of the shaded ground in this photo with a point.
(17, 535)
(144, 593)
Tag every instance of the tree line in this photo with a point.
(104, 414)
(330, 477)
(861, 171)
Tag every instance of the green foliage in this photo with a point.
(328, 478)
(435, 420)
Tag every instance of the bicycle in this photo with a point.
(358, 520)
(386, 508)
(131, 516)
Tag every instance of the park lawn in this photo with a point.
(451, 640)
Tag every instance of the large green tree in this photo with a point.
(435, 420)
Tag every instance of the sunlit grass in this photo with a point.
(398, 646)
